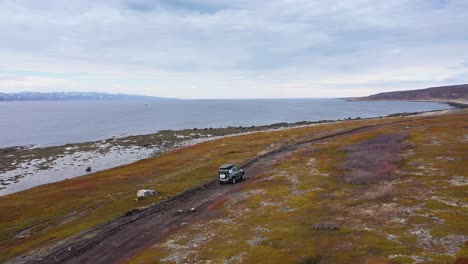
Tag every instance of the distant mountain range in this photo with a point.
(452, 93)
(34, 96)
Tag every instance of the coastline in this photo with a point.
(454, 103)
(25, 167)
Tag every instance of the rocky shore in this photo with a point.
(24, 167)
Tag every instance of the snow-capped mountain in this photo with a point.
(29, 96)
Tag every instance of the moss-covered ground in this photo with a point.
(302, 210)
(49, 213)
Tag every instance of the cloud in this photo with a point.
(174, 5)
(214, 48)
(34, 83)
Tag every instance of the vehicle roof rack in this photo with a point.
(227, 166)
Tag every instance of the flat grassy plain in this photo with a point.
(301, 210)
(46, 214)
(307, 208)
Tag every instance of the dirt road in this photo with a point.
(124, 236)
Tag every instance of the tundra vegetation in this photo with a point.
(394, 194)
(29, 160)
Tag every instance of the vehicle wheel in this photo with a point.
(221, 183)
(243, 176)
(233, 180)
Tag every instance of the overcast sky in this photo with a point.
(232, 49)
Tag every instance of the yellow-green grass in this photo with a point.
(272, 219)
(46, 214)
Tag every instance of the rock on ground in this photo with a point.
(141, 194)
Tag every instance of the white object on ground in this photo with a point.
(144, 193)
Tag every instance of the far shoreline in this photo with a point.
(135, 129)
(257, 128)
(455, 104)
(56, 163)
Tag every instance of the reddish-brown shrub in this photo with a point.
(373, 160)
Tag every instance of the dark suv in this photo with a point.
(230, 173)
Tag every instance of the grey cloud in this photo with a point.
(246, 38)
(174, 5)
